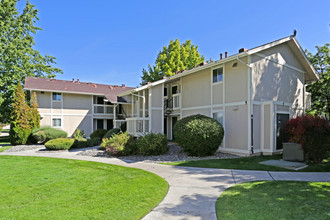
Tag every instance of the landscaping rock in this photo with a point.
(19, 148)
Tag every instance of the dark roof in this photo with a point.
(55, 85)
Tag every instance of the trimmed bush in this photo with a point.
(198, 135)
(313, 133)
(82, 143)
(115, 144)
(44, 134)
(152, 144)
(111, 132)
(99, 133)
(59, 144)
(123, 127)
(131, 147)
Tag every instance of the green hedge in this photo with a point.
(59, 144)
(44, 134)
(99, 133)
(152, 144)
(86, 143)
(111, 132)
(198, 135)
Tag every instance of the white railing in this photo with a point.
(137, 126)
(103, 109)
(118, 123)
(176, 100)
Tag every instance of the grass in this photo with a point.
(250, 163)
(49, 188)
(4, 143)
(275, 200)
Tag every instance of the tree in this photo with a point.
(173, 58)
(34, 113)
(320, 89)
(17, 56)
(20, 127)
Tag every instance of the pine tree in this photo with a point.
(20, 128)
(173, 58)
(34, 113)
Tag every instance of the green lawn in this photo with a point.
(275, 200)
(49, 188)
(4, 143)
(250, 163)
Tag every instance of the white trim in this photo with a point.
(197, 107)
(50, 114)
(272, 125)
(156, 108)
(162, 122)
(181, 98)
(150, 110)
(92, 118)
(232, 150)
(262, 128)
(250, 112)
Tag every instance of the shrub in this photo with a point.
(115, 144)
(152, 144)
(34, 113)
(82, 143)
(123, 127)
(313, 133)
(198, 135)
(131, 147)
(78, 135)
(111, 132)
(45, 134)
(99, 133)
(20, 127)
(59, 144)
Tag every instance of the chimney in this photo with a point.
(226, 54)
(220, 56)
(78, 81)
(123, 85)
(242, 50)
(73, 80)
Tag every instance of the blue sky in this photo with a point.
(111, 42)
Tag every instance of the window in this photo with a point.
(174, 90)
(218, 75)
(165, 92)
(57, 122)
(218, 116)
(57, 96)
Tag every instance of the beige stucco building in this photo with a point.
(69, 105)
(252, 94)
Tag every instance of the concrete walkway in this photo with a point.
(192, 191)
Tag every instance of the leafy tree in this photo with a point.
(17, 56)
(34, 113)
(20, 127)
(320, 89)
(174, 57)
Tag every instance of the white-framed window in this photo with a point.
(57, 96)
(218, 116)
(217, 75)
(57, 122)
(175, 89)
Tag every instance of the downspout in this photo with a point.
(250, 103)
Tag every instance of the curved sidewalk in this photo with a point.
(192, 191)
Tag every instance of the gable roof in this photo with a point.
(291, 40)
(55, 85)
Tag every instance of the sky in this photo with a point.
(110, 42)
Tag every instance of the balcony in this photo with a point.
(103, 109)
(137, 126)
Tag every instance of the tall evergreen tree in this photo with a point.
(34, 113)
(320, 89)
(174, 57)
(20, 127)
(17, 56)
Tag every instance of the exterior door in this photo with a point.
(109, 124)
(99, 124)
(281, 120)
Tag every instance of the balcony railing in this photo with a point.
(137, 126)
(103, 109)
